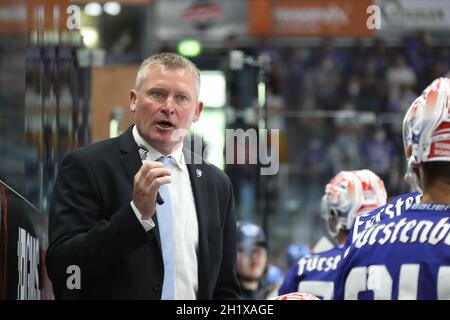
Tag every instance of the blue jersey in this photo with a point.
(393, 208)
(404, 257)
(313, 274)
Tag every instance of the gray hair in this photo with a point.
(170, 60)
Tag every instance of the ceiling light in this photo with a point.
(112, 8)
(93, 9)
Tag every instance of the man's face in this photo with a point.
(165, 102)
(252, 263)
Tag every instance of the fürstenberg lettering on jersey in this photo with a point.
(388, 211)
(318, 263)
(408, 272)
(313, 274)
(422, 231)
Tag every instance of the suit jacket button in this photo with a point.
(157, 287)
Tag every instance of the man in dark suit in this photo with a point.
(104, 216)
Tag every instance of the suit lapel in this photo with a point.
(199, 189)
(129, 154)
(132, 163)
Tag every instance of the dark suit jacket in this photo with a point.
(93, 226)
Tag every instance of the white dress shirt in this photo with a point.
(185, 224)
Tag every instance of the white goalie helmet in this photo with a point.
(426, 129)
(349, 194)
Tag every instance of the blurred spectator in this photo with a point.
(372, 96)
(274, 279)
(295, 253)
(343, 153)
(244, 176)
(330, 52)
(123, 46)
(274, 69)
(295, 77)
(405, 98)
(251, 261)
(419, 56)
(268, 47)
(382, 58)
(241, 84)
(443, 58)
(327, 81)
(358, 60)
(381, 156)
(312, 158)
(440, 65)
(400, 77)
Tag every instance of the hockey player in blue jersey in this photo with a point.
(407, 256)
(347, 195)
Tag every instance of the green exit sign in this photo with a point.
(189, 48)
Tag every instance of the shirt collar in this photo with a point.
(154, 154)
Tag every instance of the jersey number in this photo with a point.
(321, 289)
